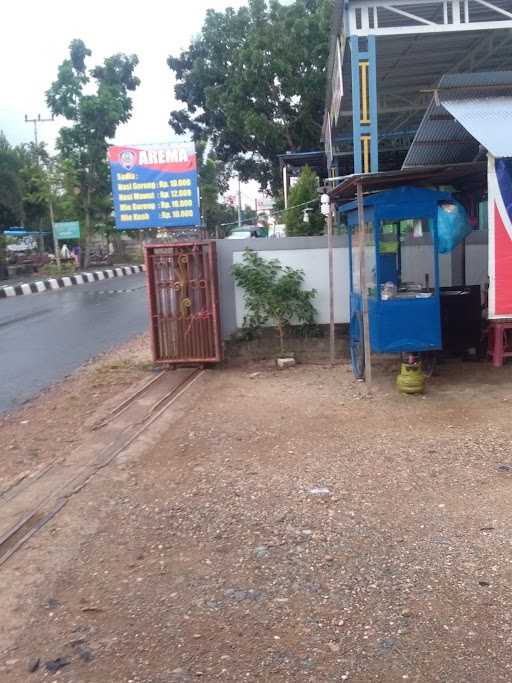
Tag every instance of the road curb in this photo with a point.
(8, 291)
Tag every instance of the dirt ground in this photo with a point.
(60, 418)
(280, 526)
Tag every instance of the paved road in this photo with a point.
(44, 337)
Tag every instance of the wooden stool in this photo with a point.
(499, 346)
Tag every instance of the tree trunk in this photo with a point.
(280, 330)
(289, 139)
(87, 240)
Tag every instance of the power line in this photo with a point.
(37, 120)
(278, 211)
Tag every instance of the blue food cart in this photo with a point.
(402, 284)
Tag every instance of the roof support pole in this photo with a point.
(364, 285)
(356, 103)
(372, 97)
(364, 105)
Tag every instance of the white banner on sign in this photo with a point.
(337, 83)
(328, 142)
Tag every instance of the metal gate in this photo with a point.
(183, 302)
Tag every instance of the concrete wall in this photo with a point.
(310, 254)
(295, 251)
(314, 263)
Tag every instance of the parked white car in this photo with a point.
(247, 232)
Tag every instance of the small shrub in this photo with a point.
(273, 294)
(53, 270)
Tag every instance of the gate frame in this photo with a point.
(152, 249)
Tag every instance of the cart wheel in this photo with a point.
(428, 362)
(357, 345)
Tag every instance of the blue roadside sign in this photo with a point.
(155, 186)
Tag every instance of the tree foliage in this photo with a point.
(305, 190)
(11, 190)
(253, 83)
(34, 177)
(273, 294)
(22, 190)
(29, 179)
(94, 102)
(214, 182)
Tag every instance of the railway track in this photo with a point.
(31, 502)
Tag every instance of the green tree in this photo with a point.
(94, 102)
(214, 182)
(65, 190)
(218, 219)
(11, 190)
(11, 195)
(253, 83)
(34, 176)
(305, 190)
(250, 215)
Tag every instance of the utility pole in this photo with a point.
(326, 208)
(285, 186)
(239, 203)
(36, 121)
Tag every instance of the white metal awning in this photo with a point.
(488, 120)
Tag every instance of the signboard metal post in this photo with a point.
(54, 235)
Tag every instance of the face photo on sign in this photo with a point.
(127, 159)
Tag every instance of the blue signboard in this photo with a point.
(155, 186)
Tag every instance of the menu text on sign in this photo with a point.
(155, 186)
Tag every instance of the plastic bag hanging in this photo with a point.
(452, 225)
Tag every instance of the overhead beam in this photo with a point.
(439, 28)
(403, 109)
(414, 17)
(493, 7)
(363, 17)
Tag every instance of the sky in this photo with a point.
(37, 41)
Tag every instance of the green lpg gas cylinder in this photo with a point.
(411, 379)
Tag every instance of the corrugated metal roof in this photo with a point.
(466, 175)
(482, 79)
(440, 139)
(467, 112)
